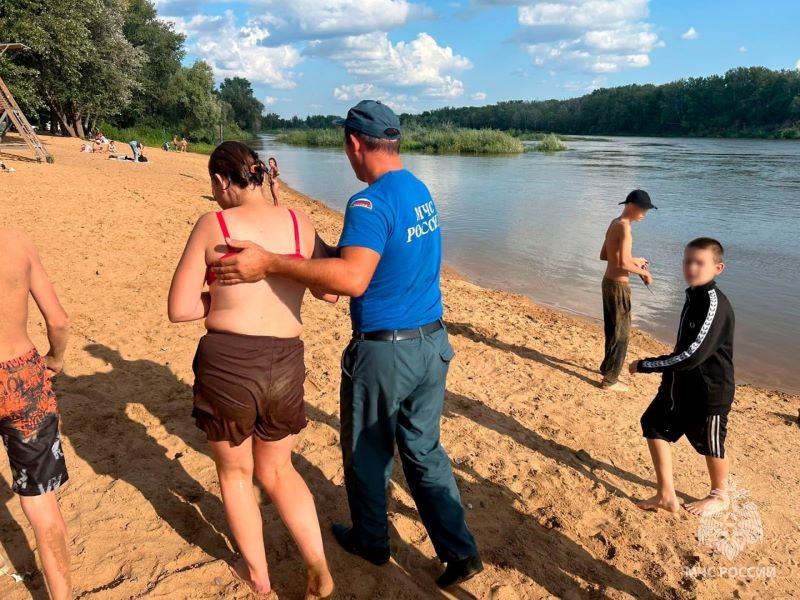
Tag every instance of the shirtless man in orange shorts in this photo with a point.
(28, 409)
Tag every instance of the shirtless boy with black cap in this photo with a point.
(617, 251)
(28, 409)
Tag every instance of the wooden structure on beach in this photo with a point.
(11, 115)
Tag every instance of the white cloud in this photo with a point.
(479, 96)
(239, 51)
(295, 20)
(269, 100)
(797, 64)
(582, 13)
(342, 17)
(600, 36)
(742, 49)
(690, 34)
(355, 91)
(421, 63)
(584, 86)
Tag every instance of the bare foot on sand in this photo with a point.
(240, 571)
(670, 504)
(715, 502)
(320, 582)
(615, 387)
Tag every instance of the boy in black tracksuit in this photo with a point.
(697, 386)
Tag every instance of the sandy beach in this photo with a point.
(548, 465)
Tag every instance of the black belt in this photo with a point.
(397, 335)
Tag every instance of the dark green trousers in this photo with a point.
(393, 392)
(617, 327)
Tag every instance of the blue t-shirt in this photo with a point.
(396, 217)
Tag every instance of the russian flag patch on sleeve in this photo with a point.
(361, 203)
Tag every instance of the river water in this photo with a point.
(534, 223)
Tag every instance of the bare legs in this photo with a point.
(275, 190)
(665, 497)
(272, 464)
(51, 539)
(718, 499)
(235, 471)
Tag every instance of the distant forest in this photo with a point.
(745, 102)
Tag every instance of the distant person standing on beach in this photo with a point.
(175, 143)
(617, 252)
(184, 144)
(393, 370)
(249, 367)
(28, 406)
(137, 148)
(274, 173)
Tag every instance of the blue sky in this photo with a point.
(321, 56)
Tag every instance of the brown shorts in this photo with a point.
(248, 385)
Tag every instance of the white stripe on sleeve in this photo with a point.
(701, 335)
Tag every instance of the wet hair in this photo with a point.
(272, 158)
(238, 163)
(372, 143)
(707, 243)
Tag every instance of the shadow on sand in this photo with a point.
(514, 540)
(19, 553)
(468, 331)
(98, 416)
(507, 537)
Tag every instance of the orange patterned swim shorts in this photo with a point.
(29, 426)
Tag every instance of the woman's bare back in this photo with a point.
(267, 307)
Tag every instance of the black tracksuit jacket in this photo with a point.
(698, 374)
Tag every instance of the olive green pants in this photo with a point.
(617, 326)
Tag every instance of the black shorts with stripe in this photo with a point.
(665, 420)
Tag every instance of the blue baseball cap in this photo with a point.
(372, 118)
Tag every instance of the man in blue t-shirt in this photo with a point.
(394, 369)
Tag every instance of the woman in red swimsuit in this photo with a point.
(249, 367)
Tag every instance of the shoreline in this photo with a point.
(548, 465)
(588, 318)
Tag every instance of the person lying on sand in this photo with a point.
(617, 251)
(28, 407)
(395, 367)
(697, 386)
(249, 367)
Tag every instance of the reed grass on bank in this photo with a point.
(444, 140)
(550, 143)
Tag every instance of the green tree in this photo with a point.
(83, 65)
(193, 102)
(163, 50)
(247, 109)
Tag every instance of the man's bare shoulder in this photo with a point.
(617, 227)
(15, 243)
(18, 252)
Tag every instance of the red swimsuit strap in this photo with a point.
(222, 225)
(296, 233)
